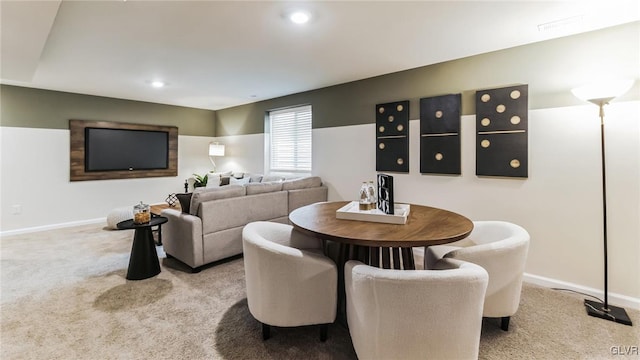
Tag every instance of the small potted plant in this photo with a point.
(200, 181)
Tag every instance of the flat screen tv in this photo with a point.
(124, 149)
(102, 150)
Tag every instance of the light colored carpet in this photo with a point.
(64, 296)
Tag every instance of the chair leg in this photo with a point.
(266, 332)
(324, 329)
(504, 323)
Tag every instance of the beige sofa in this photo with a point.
(212, 228)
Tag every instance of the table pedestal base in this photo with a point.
(381, 257)
(143, 262)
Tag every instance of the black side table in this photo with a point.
(143, 262)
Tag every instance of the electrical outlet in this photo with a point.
(16, 209)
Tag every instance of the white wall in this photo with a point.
(559, 204)
(35, 176)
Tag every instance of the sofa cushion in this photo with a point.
(201, 195)
(259, 188)
(303, 183)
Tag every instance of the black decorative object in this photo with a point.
(385, 193)
(186, 186)
(171, 199)
(502, 132)
(440, 134)
(392, 136)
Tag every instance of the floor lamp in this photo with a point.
(601, 94)
(215, 149)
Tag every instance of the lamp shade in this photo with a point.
(603, 90)
(216, 149)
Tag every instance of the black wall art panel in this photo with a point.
(440, 134)
(392, 136)
(502, 132)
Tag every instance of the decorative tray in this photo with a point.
(351, 211)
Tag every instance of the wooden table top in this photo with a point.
(425, 226)
(157, 208)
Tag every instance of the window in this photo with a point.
(290, 140)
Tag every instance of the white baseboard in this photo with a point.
(52, 226)
(614, 299)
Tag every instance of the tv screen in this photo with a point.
(122, 149)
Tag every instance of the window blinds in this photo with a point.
(290, 144)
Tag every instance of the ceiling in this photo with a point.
(218, 54)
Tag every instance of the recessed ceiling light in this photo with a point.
(299, 17)
(157, 84)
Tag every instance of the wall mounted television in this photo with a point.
(110, 150)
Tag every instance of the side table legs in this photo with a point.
(143, 262)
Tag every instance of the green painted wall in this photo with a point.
(550, 68)
(35, 108)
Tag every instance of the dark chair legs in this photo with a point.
(504, 323)
(266, 332)
(324, 328)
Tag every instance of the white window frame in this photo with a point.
(289, 131)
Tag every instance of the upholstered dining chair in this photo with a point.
(501, 248)
(289, 280)
(415, 314)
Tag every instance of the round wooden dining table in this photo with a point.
(380, 244)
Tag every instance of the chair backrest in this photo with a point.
(289, 282)
(501, 248)
(415, 314)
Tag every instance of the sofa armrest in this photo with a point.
(303, 197)
(182, 237)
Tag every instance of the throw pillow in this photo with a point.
(242, 181)
(254, 177)
(224, 180)
(271, 178)
(185, 201)
(214, 180)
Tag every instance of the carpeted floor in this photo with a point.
(64, 296)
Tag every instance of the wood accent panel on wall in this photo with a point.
(77, 151)
(392, 137)
(502, 132)
(440, 134)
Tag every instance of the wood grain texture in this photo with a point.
(77, 151)
(425, 226)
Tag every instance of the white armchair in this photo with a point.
(415, 314)
(500, 248)
(289, 280)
